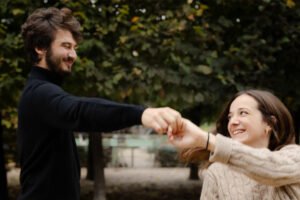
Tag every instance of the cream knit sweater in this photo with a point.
(240, 172)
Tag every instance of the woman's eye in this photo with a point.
(243, 113)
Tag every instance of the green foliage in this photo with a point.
(182, 54)
(147, 52)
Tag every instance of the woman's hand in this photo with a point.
(190, 136)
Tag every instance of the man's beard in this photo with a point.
(54, 63)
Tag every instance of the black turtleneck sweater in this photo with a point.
(47, 118)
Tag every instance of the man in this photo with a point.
(48, 115)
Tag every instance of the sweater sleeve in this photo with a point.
(275, 168)
(64, 111)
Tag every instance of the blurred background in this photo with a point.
(186, 54)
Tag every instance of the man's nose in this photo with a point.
(72, 54)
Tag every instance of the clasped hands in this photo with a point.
(181, 132)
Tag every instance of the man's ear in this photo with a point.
(40, 51)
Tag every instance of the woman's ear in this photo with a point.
(268, 130)
(274, 119)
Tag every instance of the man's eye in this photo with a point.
(66, 45)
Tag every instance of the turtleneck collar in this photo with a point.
(45, 74)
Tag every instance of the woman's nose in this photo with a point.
(234, 120)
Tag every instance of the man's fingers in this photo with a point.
(161, 118)
(169, 133)
(172, 118)
(158, 128)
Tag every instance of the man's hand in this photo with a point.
(160, 119)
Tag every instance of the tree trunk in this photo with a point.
(99, 179)
(3, 178)
(90, 161)
(194, 172)
(194, 115)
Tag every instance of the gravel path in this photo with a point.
(135, 183)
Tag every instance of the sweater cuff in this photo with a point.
(139, 114)
(223, 149)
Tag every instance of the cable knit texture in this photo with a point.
(242, 172)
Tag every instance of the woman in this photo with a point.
(253, 156)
